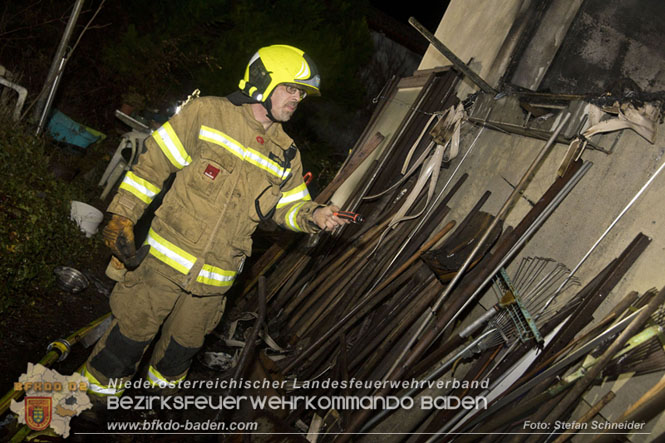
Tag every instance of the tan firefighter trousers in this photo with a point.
(141, 304)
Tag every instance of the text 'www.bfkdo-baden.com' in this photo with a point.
(170, 426)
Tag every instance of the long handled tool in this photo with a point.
(627, 329)
(625, 359)
(402, 363)
(643, 410)
(368, 302)
(352, 255)
(511, 413)
(488, 339)
(437, 201)
(614, 222)
(270, 257)
(459, 64)
(343, 323)
(533, 281)
(594, 290)
(507, 324)
(424, 343)
(580, 386)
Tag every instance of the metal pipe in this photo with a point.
(22, 94)
(500, 215)
(614, 222)
(534, 226)
(343, 323)
(53, 78)
(490, 333)
(250, 344)
(459, 64)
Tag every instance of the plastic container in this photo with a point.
(86, 217)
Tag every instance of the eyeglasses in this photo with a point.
(296, 90)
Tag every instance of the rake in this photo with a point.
(535, 277)
(533, 287)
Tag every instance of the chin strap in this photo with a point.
(268, 105)
(238, 98)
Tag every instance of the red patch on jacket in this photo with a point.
(260, 139)
(211, 172)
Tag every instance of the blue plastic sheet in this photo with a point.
(64, 129)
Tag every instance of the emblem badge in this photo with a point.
(38, 412)
(211, 172)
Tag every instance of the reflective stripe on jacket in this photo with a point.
(224, 162)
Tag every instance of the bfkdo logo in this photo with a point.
(38, 412)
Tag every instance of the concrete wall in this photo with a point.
(386, 124)
(574, 227)
(478, 29)
(611, 40)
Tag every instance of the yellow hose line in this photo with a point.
(51, 357)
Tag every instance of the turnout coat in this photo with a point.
(229, 173)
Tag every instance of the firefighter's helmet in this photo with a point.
(277, 64)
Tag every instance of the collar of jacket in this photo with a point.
(275, 132)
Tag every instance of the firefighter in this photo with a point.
(234, 166)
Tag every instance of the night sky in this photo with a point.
(429, 13)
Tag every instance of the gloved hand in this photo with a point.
(118, 235)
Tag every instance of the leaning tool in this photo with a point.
(609, 333)
(343, 324)
(417, 345)
(571, 398)
(459, 64)
(351, 216)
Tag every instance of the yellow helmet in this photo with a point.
(277, 64)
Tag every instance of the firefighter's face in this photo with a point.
(284, 103)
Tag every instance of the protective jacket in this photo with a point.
(228, 170)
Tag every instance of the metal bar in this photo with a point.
(433, 376)
(251, 341)
(424, 344)
(55, 72)
(614, 222)
(342, 324)
(597, 290)
(571, 397)
(459, 64)
(565, 190)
